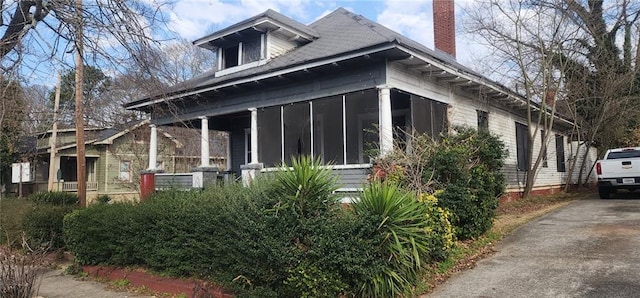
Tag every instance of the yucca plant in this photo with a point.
(405, 243)
(306, 187)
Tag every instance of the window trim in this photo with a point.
(241, 64)
(483, 119)
(120, 172)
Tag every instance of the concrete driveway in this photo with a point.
(591, 248)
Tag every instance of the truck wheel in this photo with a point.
(604, 192)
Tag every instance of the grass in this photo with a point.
(12, 211)
(510, 216)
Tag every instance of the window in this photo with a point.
(522, 146)
(125, 170)
(159, 165)
(251, 51)
(545, 163)
(428, 116)
(560, 154)
(230, 56)
(241, 53)
(483, 120)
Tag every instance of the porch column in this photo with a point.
(153, 148)
(204, 143)
(147, 177)
(250, 170)
(386, 124)
(254, 135)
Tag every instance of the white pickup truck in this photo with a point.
(619, 169)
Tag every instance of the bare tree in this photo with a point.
(181, 60)
(532, 41)
(38, 109)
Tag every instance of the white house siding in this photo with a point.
(576, 153)
(278, 44)
(462, 111)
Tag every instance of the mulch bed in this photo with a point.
(158, 284)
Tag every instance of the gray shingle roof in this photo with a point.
(340, 32)
(269, 14)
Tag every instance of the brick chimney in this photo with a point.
(444, 26)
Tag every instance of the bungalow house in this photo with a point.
(114, 157)
(338, 87)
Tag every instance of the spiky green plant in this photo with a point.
(306, 187)
(405, 242)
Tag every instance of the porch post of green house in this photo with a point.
(147, 177)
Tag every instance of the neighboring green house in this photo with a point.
(114, 160)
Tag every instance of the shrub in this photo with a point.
(306, 187)
(20, 275)
(103, 199)
(408, 240)
(285, 236)
(467, 166)
(54, 198)
(42, 225)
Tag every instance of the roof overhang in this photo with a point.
(448, 73)
(413, 59)
(367, 53)
(261, 25)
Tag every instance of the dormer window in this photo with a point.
(241, 53)
(251, 43)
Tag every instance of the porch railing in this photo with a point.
(73, 186)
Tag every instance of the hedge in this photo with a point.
(285, 236)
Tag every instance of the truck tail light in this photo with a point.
(598, 169)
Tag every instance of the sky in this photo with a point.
(192, 19)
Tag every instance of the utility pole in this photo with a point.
(79, 112)
(54, 134)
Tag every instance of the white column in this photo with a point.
(385, 125)
(204, 142)
(254, 135)
(153, 148)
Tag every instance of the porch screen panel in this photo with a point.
(297, 130)
(401, 117)
(361, 110)
(439, 116)
(328, 137)
(421, 118)
(269, 136)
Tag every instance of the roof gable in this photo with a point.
(268, 20)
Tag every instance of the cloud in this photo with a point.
(192, 19)
(413, 19)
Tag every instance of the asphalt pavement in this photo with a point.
(591, 248)
(55, 284)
